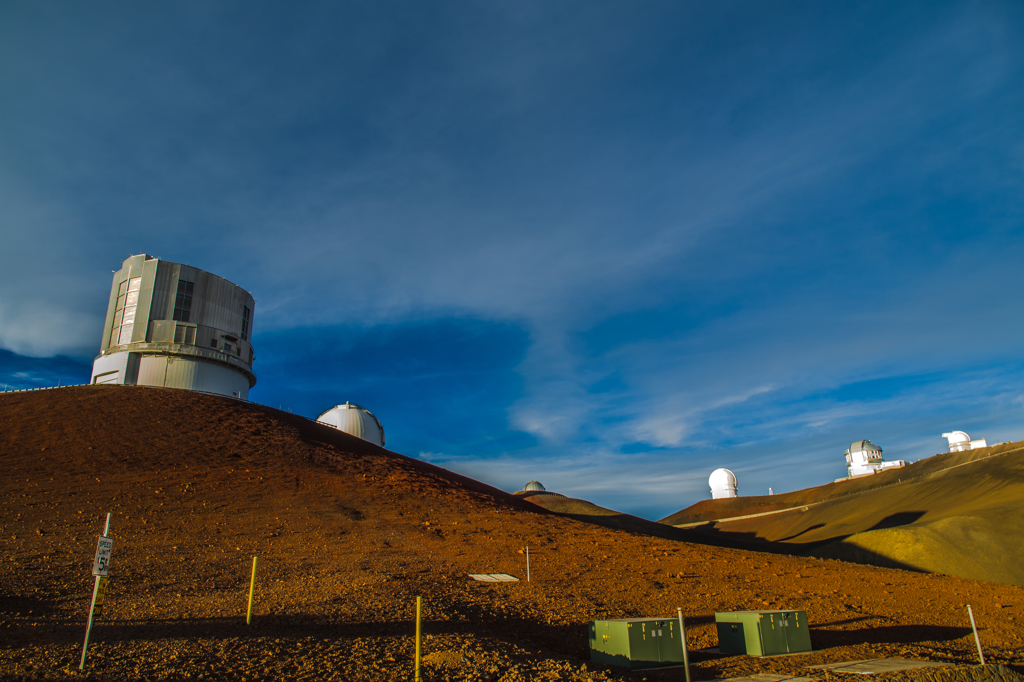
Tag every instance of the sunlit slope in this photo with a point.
(959, 513)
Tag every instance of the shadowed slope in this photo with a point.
(588, 512)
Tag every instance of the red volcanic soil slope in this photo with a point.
(960, 513)
(347, 536)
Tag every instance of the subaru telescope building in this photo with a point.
(176, 326)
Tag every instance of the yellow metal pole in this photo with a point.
(418, 603)
(252, 588)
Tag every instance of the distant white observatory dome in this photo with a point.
(960, 441)
(534, 488)
(355, 421)
(723, 484)
(864, 458)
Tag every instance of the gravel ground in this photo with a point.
(348, 535)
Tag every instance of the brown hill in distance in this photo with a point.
(588, 512)
(959, 513)
(349, 534)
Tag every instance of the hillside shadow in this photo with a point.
(565, 639)
(23, 605)
(898, 519)
(631, 524)
(804, 531)
(711, 534)
(886, 634)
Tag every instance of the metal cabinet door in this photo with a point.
(773, 634)
(798, 637)
(670, 648)
(731, 638)
(643, 643)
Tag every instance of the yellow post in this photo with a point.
(252, 588)
(418, 639)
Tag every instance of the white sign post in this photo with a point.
(101, 563)
(100, 568)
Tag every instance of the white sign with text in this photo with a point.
(101, 564)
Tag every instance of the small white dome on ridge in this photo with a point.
(355, 421)
(960, 441)
(955, 437)
(723, 484)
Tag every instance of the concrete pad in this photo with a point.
(765, 677)
(494, 577)
(717, 652)
(874, 666)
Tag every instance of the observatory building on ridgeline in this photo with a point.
(355, 421)
(864, 458)
(535, 488)
(960, 441)
(176, 326)
(723, 484)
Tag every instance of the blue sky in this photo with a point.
(608, 246)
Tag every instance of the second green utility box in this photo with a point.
(636, 642)
(762, 633)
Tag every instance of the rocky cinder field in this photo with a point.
(348, 535)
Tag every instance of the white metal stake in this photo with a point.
(92, 604)
(976, 640)
(527, 563)
(682, 634)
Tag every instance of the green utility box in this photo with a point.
(636, 642)
(762, 633)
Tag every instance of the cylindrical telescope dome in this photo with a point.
(723, 484)
(534, 486)
(862, 458)
(176, 326)
(355, 421)
(957, 437)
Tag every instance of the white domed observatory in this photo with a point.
(723, 484)
(176, 326)
(864, 458)
(355, 421)
(960, 441)
(533, 488)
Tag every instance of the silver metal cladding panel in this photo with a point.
(192, 374)
(109, 369)
(119, 276)
(148, 271)
(165, 287)
(152, 370)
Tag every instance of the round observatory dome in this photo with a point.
(863, 452)
(723, 484)
(863, 457)
(957, 438)
(864, 445)
(533, 486)
(355, 421)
